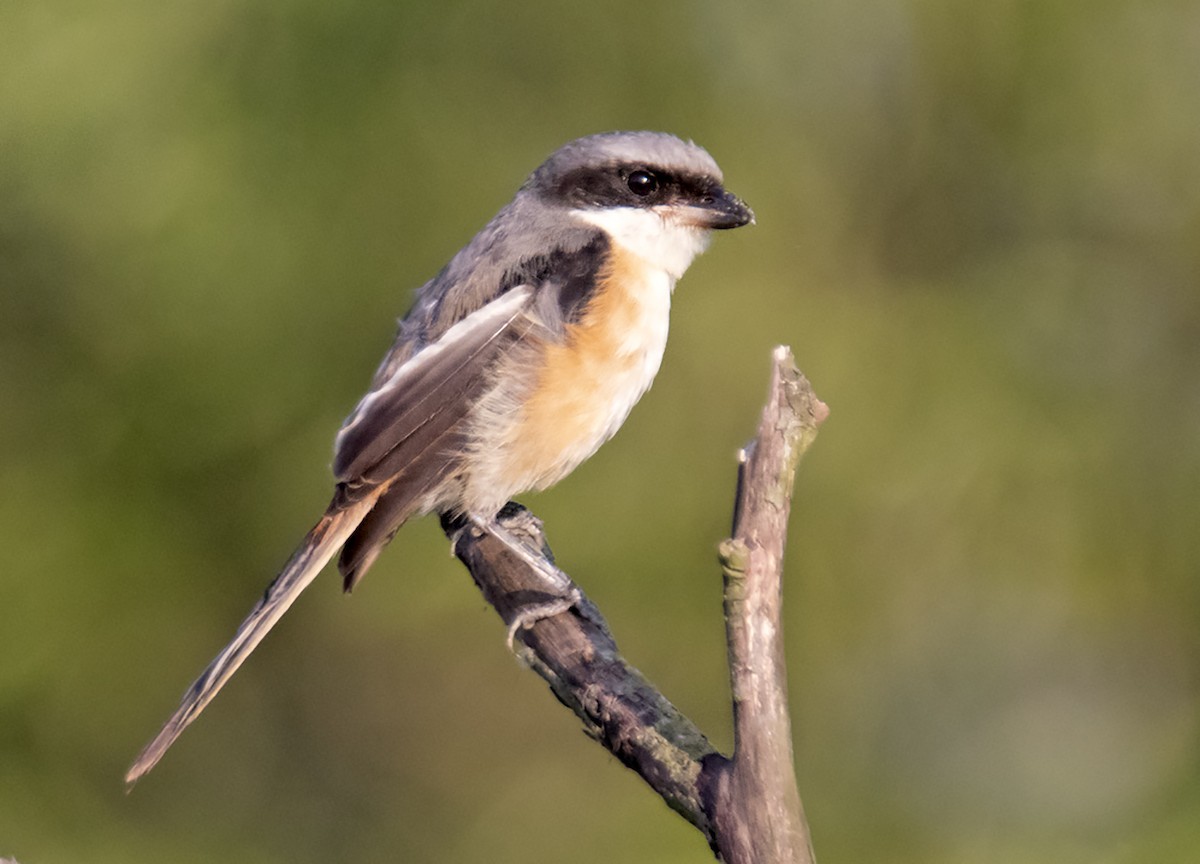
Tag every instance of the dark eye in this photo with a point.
(642, 183)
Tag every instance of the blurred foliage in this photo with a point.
(978, 227)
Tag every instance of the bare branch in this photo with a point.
(576, 654)
(758, 814)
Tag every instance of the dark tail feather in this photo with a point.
(423, 471)
(307, 561)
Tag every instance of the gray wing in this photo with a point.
(427, 393)
(406, 438)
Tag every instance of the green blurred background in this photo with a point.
(979, 229)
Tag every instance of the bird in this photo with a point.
(515, 362)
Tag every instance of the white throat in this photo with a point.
(662, 242)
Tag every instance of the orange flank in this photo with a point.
(592, 379)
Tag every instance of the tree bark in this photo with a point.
(746, 805)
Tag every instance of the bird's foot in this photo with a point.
(531, 614)
(557, 582)
(563, 593)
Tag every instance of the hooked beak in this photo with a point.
(718, 210)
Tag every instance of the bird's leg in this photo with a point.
(564, 593)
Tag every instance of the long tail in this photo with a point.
(326, 537)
